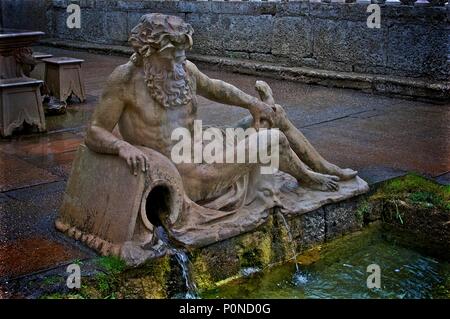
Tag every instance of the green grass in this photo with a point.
(111, 264)
(105, 283)
(363, 209)
(51, 280)
(416, 190)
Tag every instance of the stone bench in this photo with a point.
(20, 101)
(63, 78)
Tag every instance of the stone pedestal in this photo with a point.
(63, 78)
(39, 69)
(20, 101)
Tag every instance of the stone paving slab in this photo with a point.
(59, 164)
(42, 145)
(34, 253)
(377, 174)
(47, 196)
(16, 173)
(28, 239)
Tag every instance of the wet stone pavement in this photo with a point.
(380, 136)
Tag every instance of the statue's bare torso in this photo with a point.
(144, 122)
(147, 123)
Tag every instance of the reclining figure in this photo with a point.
(155, 93)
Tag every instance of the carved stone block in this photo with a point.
(63, 78)
(20, 101)
(39, 69)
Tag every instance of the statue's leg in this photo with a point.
(298, 142)
(305, 151)
(203, 181)
(301, 146)
(293, 165)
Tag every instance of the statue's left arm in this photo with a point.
(222, 92)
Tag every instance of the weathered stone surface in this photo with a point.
(339, 11)
(246, 33)
(82, 3)
(412, 41)
(427, 57)
(314, 228)
(249, 8)
(292, 8)
(237, 54)
(116, 27)
(93, 26)
(284, 44)
(31, 15)
(341, 219)
(348, 41)
(207, 33)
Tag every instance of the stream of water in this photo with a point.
(288, 230)
(183, 261)
(298, 276)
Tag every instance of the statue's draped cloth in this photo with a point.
(247, 203)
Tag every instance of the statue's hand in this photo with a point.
(262, 112)
(134, 157)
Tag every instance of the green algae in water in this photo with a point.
(340, 271)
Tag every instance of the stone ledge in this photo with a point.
(435, 91)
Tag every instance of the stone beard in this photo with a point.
(170, 88)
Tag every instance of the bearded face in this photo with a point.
(168, 83)
(160, 42)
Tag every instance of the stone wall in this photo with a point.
(26, 14)
(413, 41)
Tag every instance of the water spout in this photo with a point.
(299, 278)
(184, 262)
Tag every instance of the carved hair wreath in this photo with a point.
(156, 32)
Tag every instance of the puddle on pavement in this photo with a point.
(29, 255)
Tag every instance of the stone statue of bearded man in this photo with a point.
(155, 93)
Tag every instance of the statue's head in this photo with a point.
(160, 42)
(156, 33)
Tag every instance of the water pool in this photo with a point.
(339, 270)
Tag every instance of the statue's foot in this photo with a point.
(322, 182)
(344, 174)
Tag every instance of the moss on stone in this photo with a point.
(310, 256)
(62, 296)
(255, 249)
(147, 281)
(111, 264)
(201, 273)
(363, 210)
(415, 190)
